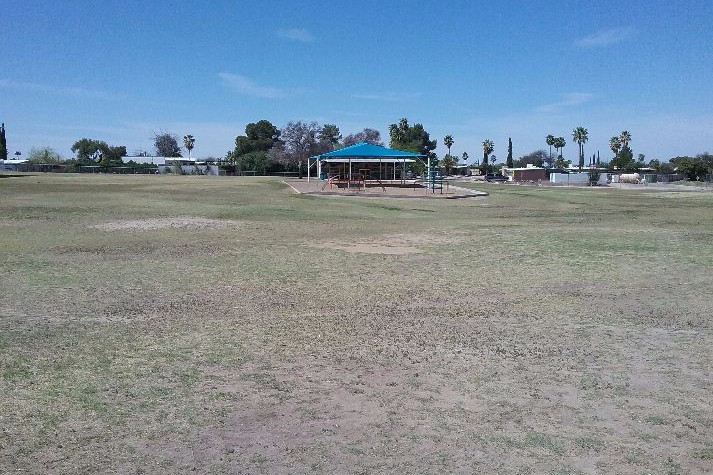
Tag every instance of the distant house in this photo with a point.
(457, 169)
(528, 173)
(170, 164)
(154, 160)
(578, 178)
(11, 165)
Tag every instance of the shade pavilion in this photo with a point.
(377, 160)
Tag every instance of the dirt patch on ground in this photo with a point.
(410, 190)
(424, 239)
(369, 248)
(187, 222)
(394, 244)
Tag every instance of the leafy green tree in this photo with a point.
(661, 167)
(257, 162)
(3, 143)
(509, 161)
(299, 141)
(625, 160)
(580, 135)
(550, 140)
(86, 149)
(448, 162)
(189, 143)
(91, 150)
(448, 142)
(623, 156)
(259, 137)
(166, 145)
(488, 147)
(492, 168)
(412, 138)
(695, 168)
(561, 162)
(536, 158)
(367, 135)
(44, 155)
(707, 159)
(113, 159)
(330, 135)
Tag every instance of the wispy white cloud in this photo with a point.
(568, 100)
(296, 34)
(65, 91)
(389, 96)
(247, 86)
(605, 37)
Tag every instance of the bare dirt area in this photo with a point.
(235, 326)
(188, 222)
(395, 244)
(448, 190)
(368, 248)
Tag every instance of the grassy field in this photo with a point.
(158, 324)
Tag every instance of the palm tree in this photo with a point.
(550, 140)
(465, 157)
(488, 147)
(560, 143)
(188, 142)
(580, 135)
(625, 138)
(448, 142)
(615, 145)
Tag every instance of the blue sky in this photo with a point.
(119, 71)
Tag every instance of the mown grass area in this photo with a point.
(157, 324)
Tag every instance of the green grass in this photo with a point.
(655, 420)
(537, 329)
(704, 454)
(589, 443)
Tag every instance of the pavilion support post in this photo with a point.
(308, 175)
(349, 177)
(428, 171)
(403, 173)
